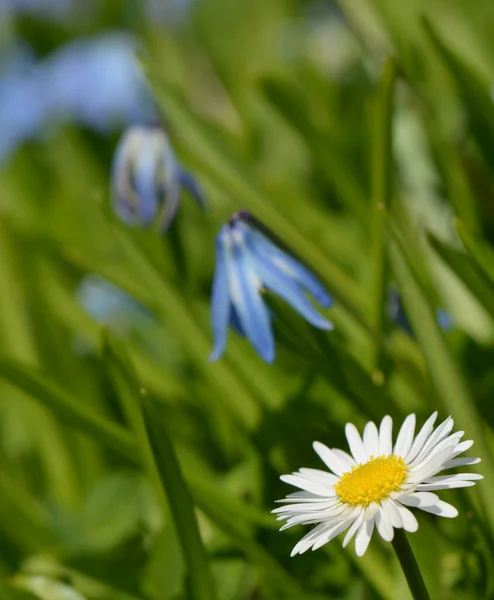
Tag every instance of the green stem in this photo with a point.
(409, 566)
(382, 191)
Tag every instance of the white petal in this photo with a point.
(363, 537)
(310, 518)
(464, 446)
(355, 443)
(444, 486)
(392, 513)
(329, 458)
(405, 436)
(321, 514)
(435, 438)
(419, 499)
(344, 458)
(384, 527)
(323, 529)
(302, 497)
(450, 442)
(322, 504)
(307, 484)
(409, 521)
(442, 509)
(371, 439)
(421, 438)
(306, 542)
(430, 466)
(461, 462)
(323, 477)
(371, 510)
(455, 478)
(329, 535)
(355, 525)
(385, 436)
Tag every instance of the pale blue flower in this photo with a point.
(247, 263)
(147, 179)
(47, 9)
(108, 304)
(94, 82)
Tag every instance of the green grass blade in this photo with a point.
(479, 250)
(280, 580)
(474, 94)
(181, 504)
(169, 304)
(161, 462)
(112, 436)
(466, 269)
(444, 373)
(381, 177)
(66, 408)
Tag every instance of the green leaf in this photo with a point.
(479, 250)
(474, 93)
(110, 514)
(445, 375)
(165, 571)
(279, 579)
(466, 269)
(69, 410)
(168, 303)
(381, 178)
(287, 98)
(108, 434)
(160, 460)
(181, 505)
(9, 592)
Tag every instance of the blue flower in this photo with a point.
(108, 304)
(247, 263)
(147, 179)
(94, 82)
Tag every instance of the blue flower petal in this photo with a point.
(145, 182)
(291, 267)
(244, 293)
(279, 282)
(172, 190)
(220, 302)
(189, 182)
(235, 321)
(444, 319)
(124, 198)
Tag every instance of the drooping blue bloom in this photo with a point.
(93, 82)
(147, 179)
(47, 9)
(105, 302)
(247, 263)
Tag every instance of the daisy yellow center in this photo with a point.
(372, 481)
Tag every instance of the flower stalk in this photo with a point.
(409, 565)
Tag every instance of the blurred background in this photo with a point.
(279, 107)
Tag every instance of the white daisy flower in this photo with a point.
(376, 483)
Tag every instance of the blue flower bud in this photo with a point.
(147, 178)
(247, 262)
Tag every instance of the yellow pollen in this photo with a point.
(372, 481)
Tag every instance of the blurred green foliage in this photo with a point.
(362, 133)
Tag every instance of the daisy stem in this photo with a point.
(409, 565)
